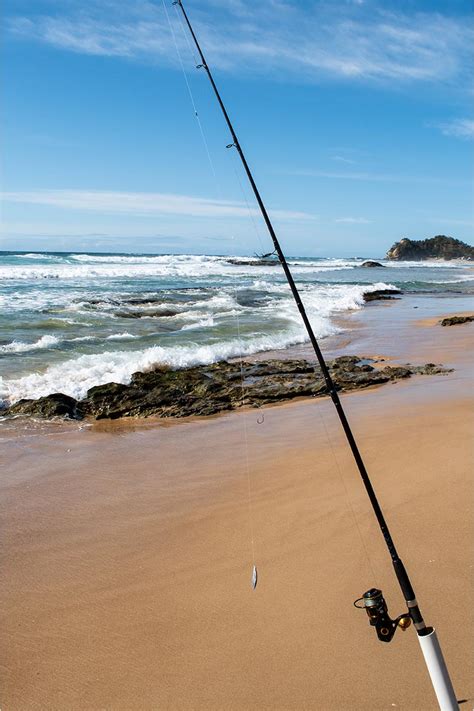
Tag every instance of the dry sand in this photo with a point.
(127, 552)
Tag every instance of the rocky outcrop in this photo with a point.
(381, 295)
(259, 262)
(55, 405)
(439, 247)
(146, 314)
(455, 320)
(370, 264)
(207, 390)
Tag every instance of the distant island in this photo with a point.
(439, 247)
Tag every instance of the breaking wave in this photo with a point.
(76, 375)
(20, 347)
(83, 267)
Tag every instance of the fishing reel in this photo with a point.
(373, 602)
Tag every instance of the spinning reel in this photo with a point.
(375, 606)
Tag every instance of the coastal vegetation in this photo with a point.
(439, 247)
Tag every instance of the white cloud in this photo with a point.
(310, 41)
(353, 220)
(144, 204)
(376, 177)
(91, 36)
(341, 159)
(452, 221)
(461, 128)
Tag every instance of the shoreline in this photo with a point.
(358, 328)
(128, 556)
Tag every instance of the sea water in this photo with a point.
(71, 321)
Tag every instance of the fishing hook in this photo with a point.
(260, 420)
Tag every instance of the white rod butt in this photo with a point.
(438, 671)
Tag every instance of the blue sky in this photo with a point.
(356, 117)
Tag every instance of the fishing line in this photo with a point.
(348, 498)
(254, 578)
(236, 311)
(201, 129)
(196, 114)
(244, 195)
(191, 96)
(328, 438)
(247, 460)
(246, 441)
(186, 37)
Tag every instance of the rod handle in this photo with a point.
(437, 670)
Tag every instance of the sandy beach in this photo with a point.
(127, 547)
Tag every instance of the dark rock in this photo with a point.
(254, 262)
(381, 294)
(371, 264)
(353, 380)
(207, 390)
(252, 298)
(430, 369)
(146, 314)
(55, 405)
(455, 320)
(345, 362)
(110, 400)
(439, 247)
(350, 364)
(397, 372)
(141, 301)
(100, 302)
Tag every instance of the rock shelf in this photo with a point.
(210, 389)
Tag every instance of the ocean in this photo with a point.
(70, 321)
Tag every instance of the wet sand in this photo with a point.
(127, 547)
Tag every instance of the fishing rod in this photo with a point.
(372, 601)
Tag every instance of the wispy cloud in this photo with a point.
(353, 220)
(375, 177)
(309, 41)
(461, 128)
(144, 204)
(452, 221)
(90, 35)
(341, 159)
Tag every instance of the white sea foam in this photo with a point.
(39, 299)
(121, 336)
(426, 263)
(262, 285)
(202, 323)
(456, 279)
(20, 347)
(38, 255)
(74, 377)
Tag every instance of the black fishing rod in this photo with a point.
(373, 600)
